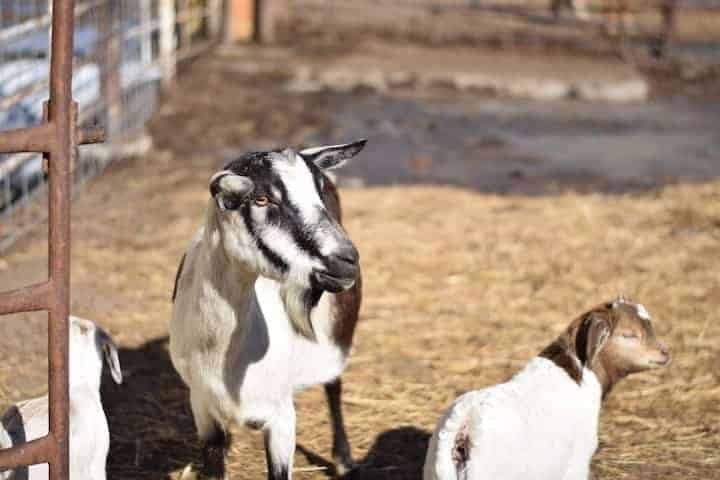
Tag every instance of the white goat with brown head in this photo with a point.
(542, 424)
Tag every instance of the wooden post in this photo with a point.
(110, 60)
(240, 18)
(146, 38)
(166, 16)
(185, 24)
(264, 21)
(215, 16)
(668, 13)
(269, 13)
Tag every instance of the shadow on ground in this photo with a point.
(152, 431)
(397, 454)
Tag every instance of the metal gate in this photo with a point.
(57, 138)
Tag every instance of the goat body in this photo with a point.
(539, 425)
(221, 343)
(266, 302)
(89, 434)
(542, 423)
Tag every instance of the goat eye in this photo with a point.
(262, 201)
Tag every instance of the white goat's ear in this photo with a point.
(328, 157)
(229, 189)
(110, 353)
(594, 331)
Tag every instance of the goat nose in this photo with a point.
(348, 253)
(663, 348)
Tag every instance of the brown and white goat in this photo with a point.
(542, 424)
(266, 301)
(621, 17)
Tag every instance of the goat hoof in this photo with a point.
(189, 473)
(343, 466)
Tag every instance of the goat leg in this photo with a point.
(213, 450)
(341, 445)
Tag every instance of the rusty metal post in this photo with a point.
(60, 159)
(57, 138)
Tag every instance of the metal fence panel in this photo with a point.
(123, 50)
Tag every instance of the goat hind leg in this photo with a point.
(341, 446)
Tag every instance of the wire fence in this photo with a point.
(124, 51)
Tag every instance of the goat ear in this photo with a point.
(591, 336)
(329, 157)
(229, 189)
(110, 353)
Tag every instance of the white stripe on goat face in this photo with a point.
(300, 187)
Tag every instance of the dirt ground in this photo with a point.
(462, 286)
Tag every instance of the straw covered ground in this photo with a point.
(461, 289)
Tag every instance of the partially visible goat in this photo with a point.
(89, 435)
(622, 17)
(542, 424)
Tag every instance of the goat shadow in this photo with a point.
(151, 426)
(397, 454)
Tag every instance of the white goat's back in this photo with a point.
(28, 420)
(539, 425)
(89, 435)
(89, 438)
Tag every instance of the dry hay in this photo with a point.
(461, 289)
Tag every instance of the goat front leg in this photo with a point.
(215, 443)
(280, 443)
(214, 450)
(341, 446)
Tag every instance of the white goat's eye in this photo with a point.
(262, 201)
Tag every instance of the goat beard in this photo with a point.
(299, 302)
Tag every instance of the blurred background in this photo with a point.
(497, 95)
(527, 159)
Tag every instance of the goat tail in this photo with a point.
(449, 449)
